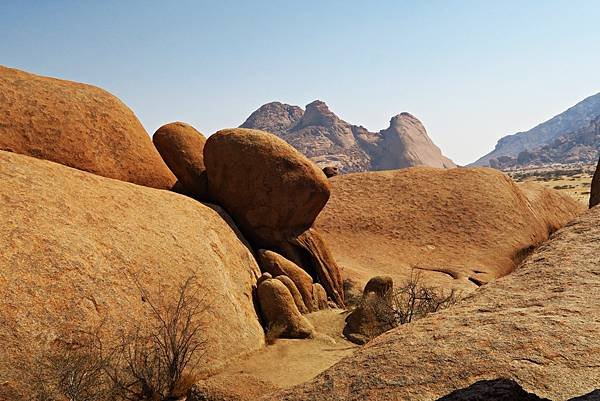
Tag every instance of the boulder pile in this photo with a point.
(274, 194)
(374, 314)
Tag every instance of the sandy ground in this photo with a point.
(289, 362)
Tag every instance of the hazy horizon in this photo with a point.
(471, 72)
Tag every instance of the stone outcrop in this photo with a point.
(319, 297)
(274, 194)
(227, 387)
(595, 188)
(331, 142)
(460, 227)
(537, 326)
(76, 246)
(280, 311)
(79, 126)
(330, 171)
(181, 147)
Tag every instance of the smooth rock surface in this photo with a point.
(77, 125)
(74, 245)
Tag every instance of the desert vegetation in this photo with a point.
(156, 362)
(388, 307)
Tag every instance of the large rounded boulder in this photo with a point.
(272, 191)
(274, 194)
(79, 126)
(181, 147)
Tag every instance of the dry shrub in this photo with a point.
(352, 293)
(414, 300)
(156, 363)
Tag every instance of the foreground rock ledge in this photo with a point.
(539, 326)
(71, 244)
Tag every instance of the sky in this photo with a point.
(471, 71)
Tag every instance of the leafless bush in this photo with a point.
(151, 363)
(414, 300)
(376, 314)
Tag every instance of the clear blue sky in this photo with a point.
(472, 71)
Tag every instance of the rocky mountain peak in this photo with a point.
(275, 117)
(403, 118)
(318, 113)
(330, 141)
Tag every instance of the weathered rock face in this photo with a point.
(460, 227)
(497, 390)
(274, 194)
(319, 297)
(74, 244)
(595, 189)
(580, 146)
(277, 265)
(331, 142)
(181, 147)
(406, 144)
(280, 311)
(77, 125)
(537, 326)
(227, 387)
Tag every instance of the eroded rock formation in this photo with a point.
(274, 194)
(332, 142)
(537, 326)
(280, 311)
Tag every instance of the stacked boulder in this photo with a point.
(595, 190)
(274, 194)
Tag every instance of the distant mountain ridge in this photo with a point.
(566, 138)
(330, 141)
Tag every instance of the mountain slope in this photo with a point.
(330, 141)
(575, 118)
(581, 146)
